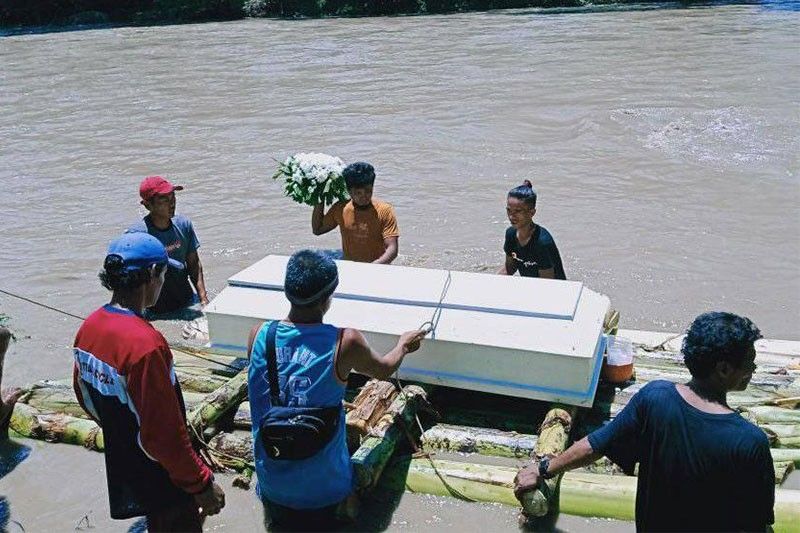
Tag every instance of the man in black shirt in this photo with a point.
(530, 249)
(702, 467)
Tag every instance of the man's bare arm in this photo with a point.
(578, 455)
(318, 224)
(356, 354)
(195, 268)
(390, 245)
(509, 267)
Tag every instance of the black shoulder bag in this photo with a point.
(293, 433)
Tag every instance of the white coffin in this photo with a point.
(522, 337)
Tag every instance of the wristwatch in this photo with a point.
(544, 465)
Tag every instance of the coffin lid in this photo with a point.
(419, 287)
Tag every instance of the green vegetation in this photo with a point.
(94, 12)
(363, 8)
(16, 13)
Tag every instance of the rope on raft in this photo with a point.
(78, 317)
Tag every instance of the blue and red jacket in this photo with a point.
(124, 379)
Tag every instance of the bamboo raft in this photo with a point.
(449, 442)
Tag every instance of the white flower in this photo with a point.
(311, 174)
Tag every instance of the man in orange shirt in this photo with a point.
(368, 225)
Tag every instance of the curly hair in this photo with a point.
(358, 174)
(114, 278)
(311, 277)
(717, 336)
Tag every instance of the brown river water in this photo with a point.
(663, 142)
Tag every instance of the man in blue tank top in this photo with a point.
(702, 467)
(314, 361)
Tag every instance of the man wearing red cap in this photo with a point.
(177, 235)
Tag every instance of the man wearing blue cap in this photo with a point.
(124, 379)
(177, 234)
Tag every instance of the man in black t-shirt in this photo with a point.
(537, 258)
(530, 249)
(702, 467)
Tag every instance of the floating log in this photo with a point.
(465, 439)
(397, 424)
(355, 430)
(782, 471)
(30, 422)
(59, 397)
(782, 430)
(766, 414)
(198, 379)
(647, 371)
(786, 454)
(553, 440)
(218, 403)
(242, 419)
(53, 397)
(233, 450)
(371, 403)
(581, 494)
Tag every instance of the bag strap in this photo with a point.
(272, 364)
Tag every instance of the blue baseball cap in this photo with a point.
(141, 250)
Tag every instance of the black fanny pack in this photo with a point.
(292, 433)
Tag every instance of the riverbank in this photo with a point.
(47, 15)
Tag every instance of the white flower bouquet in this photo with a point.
(312, 178)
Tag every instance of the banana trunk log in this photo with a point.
(581, 494)
(218, 403)
(242, 419)
(53, 397)
(782, 430)
(782, 470)
(233, 450)
(367, 408)
(465, 439)
(789, 442)
(30, 422)
(59, 397)
(199, 379)
(396, 425)
(553, 440)
(766, 414)
(786, 454)
(202, 375)
(355, 430)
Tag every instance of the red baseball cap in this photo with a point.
(153, 185)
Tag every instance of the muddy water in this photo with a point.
(663, 142)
